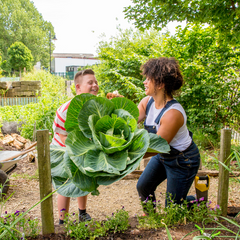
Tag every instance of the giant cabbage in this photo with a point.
(103, 145)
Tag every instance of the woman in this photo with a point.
(167, 118)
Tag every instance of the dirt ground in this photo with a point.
(25, 189)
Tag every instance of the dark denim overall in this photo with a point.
(179, 168)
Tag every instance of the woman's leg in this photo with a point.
(181, 173)
(152, 176)
(63, 206)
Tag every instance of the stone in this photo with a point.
(11, 127)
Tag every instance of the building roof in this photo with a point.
(73, 55)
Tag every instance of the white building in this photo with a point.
(60, 61)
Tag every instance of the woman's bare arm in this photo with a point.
(142, 108)
(170, 123)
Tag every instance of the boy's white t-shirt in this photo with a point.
(182, 139)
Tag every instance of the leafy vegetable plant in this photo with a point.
(103, 145)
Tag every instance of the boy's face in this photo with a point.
(88, 84)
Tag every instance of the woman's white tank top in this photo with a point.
(182, 139)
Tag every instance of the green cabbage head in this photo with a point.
(103, 145)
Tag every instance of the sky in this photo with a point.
(79, 24)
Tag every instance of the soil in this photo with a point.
(25, 189)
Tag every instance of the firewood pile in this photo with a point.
(18, 142)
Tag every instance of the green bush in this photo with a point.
(38, 115)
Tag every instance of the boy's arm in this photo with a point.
(62, 137)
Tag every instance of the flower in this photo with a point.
(86, 225)
(5, 212)
(63, 210)
(17, 213)
(201, 199)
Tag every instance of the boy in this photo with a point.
(85, 82)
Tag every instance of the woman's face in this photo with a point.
(149, 87)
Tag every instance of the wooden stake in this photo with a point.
(45, 184)
(223, 180)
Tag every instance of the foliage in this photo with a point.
(0, 66)
(121, 59)
(210, 69)
(20, 21)
(216, 231)
(222, 15)
(234, 158)
(159, 216)
(204, 140)
(208, 63)
(118, 222)
(73, 89)
(210, 159)
(38, 115)
(23, 225)
(20, 57)
(103, 144)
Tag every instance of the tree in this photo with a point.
(20, 57)
(21, 22)
(0, 66)
(210, 67)
(121, 59)
(223, 15)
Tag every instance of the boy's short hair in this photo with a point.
(81, 74)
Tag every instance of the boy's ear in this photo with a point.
(77, 87)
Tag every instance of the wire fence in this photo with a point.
(235, 136)
(10, 101)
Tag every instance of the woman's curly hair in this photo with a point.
(164, 70)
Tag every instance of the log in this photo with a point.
(17, 155)
(212, 173)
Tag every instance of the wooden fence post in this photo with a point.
(45, 184)
(223, 180)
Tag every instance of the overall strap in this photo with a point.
(149, 105)
(169, 103)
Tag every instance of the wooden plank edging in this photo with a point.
(212, 173)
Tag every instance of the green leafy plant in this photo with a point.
(216, 231)
(103, 144)
(210, 158)
(23, 225)
(40, 115)
(118, 222)
(160, 216)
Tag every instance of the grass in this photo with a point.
(17, 176)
